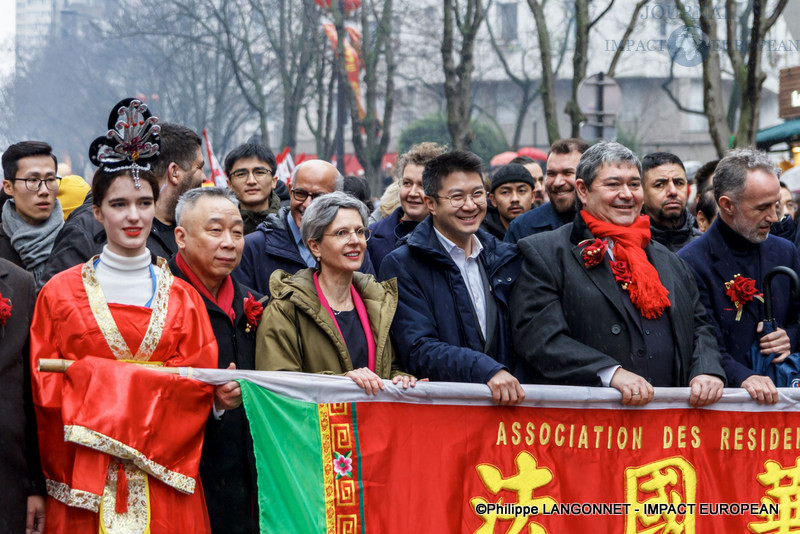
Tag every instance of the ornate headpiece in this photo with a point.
(132, 141)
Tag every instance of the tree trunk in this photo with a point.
(579, 61)
(548, 83)
(458, 78)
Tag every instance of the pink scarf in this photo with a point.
(362, 316)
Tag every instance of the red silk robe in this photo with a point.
(103, 417)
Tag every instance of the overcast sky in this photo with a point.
(7, 17)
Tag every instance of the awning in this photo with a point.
(786, 132)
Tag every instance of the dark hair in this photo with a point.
(418, 154)
(25, 149)
(784, 186)
(523, 160)
(179, 144)
(570, 144)
(102, 180)
(250, 150)
(359, 188)
(437, 169)
(657, 159)
(730, 176)
(603, 153)
(527, 160)
(706, 203)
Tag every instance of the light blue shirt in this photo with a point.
(470, 272)
(298, 240)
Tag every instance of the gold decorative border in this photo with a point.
(342, 496)
(105, 321)
(77, 498)
(137, 518)
(327, 467)
(94, 440)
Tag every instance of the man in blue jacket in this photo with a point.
(729, 263)
(453, 281)
(276, 243)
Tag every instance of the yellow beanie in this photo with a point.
(72, 193)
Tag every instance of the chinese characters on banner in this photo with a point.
(441, 458)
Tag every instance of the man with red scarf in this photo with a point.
(598, 303)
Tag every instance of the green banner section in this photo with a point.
(290, 478)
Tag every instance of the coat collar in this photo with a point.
(494, 255)
(380, 300)
(724, 267)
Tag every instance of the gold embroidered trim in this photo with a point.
(94, 440)
(77, 498)
(102, 315)
(327, 466)
(137, 518)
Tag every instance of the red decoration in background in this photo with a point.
(349, 5)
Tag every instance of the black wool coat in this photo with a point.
(20, 469)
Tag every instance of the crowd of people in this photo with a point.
(589, 269)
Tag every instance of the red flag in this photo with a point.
(217, 175)
(352, 58)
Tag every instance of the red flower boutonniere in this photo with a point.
(253, 310)
(622, 273)
(593, 251)
(742, 290)
(5, 311)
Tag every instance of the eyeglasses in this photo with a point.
(343, 235)
(244, 174)
(459, 199)
(34, 184)
(301, 195)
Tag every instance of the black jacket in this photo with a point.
(8, 252)
(569, 321)
(675, 238)
(227, 464)
(20, 470)
(492, 223)
(82, 236)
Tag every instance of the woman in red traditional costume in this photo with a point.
(120, 444)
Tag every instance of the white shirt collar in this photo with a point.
(449, 246)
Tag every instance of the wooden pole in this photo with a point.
(57, 365)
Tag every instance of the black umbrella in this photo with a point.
(785, 372)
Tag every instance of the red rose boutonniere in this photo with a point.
(742, 290)
(5, 311)
(253, 310)
(593, 252)
(622, 273)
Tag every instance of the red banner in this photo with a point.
(440, 458)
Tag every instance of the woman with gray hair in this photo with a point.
(332, 319)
